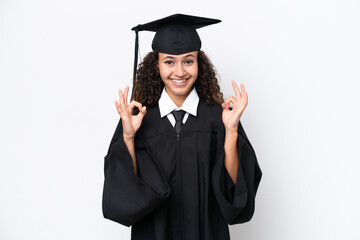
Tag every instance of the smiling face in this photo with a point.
(178, 72)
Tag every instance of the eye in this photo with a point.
(169, 62)
(188, 62)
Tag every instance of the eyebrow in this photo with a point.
(171, 57)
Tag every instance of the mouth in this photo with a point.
(179, 82)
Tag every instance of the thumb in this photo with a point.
(142, 112)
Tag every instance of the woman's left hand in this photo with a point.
(231, 118)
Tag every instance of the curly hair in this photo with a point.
(148, 84)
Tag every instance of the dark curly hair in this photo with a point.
(148, 84)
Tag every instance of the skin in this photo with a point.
(179, 72)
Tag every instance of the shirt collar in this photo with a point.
(166, 104)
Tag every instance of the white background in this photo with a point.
(61, 63)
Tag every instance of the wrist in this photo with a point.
(231, 135)
(128, 138)
(231, 131)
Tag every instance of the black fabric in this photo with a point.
(176, 39)
(182, 189)
(196, 21)
(178, 115)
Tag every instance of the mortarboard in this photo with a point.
(175, 34)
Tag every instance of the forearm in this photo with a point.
(231, 154)
(131, 148)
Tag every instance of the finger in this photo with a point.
(118, 108)
(236, 89)
(121, 101)
(126, 94)
(244, 102)
(246, 99)
(120, 92)
(117, 105)
(143, 111)
(242, 90)
(230, 99)
(141, 114)
(134, 104)
(226, 106)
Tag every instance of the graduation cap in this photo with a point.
(175, 34)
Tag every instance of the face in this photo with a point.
(178, 72)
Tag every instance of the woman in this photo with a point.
(181, 167)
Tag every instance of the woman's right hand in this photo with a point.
(130, 123)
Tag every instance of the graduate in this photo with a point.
(179, 165)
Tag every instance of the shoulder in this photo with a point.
(213, 112)
(152, 113)
(209, 117)
(152, 123)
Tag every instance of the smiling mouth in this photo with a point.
(179, 81)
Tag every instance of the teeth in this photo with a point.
(179, 81)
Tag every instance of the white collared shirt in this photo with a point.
(166, 106)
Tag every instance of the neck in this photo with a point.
(178, 99)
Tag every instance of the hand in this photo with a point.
(231, 118)
(130, 123)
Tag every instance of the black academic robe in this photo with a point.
(182, 189)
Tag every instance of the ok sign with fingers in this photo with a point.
(130, 123)
(231, 117)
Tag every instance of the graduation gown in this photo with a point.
(182, 189)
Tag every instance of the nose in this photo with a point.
(179, 71)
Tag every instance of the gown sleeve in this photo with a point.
(128, 197)
(236, 201)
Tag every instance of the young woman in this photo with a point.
(179, 165)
